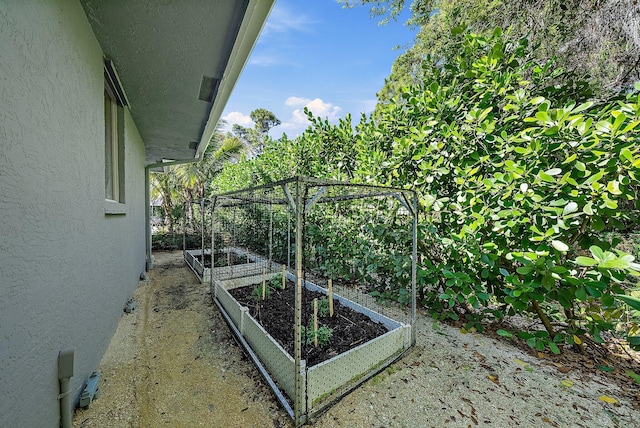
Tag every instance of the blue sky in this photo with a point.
(317, 54)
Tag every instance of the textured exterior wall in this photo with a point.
(66, 268)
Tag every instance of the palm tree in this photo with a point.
(188, 183)
(164, 188)
(193, 178)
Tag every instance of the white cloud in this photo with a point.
(235, 117)
(296, 102)
(267, 60)
(299, 121)
(322, 109)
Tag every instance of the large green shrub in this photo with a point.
(520, 176)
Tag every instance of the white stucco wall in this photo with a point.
(66, 268)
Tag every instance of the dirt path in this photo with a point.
(173, 362)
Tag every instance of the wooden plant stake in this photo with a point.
(330, 287)
(315, 322)
(247, 258)
(228, 257)
(284, 277)
(263, 283)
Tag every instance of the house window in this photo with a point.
(113, 141)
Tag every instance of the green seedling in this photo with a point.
(256, 293)
(323, 307)
(324, 335)
(276, 281)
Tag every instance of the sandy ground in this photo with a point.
(173, 362)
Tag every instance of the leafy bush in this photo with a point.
(174, 241)
(519, 175)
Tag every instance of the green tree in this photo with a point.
(597, 40)
(264, 120)
(255, 139)
(165, 189)
(189, 182)
(522, 176)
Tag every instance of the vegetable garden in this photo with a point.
(326, 296)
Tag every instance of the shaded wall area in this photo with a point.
(66, 267)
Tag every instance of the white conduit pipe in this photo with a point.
(65, 372)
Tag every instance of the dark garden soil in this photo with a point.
(276, 315)
(223, 260)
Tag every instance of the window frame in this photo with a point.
(114, 164)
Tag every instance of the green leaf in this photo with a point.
(570, 159)
(607, 300)
(633, 375)
(524, 270)
(553, 347)
(582, 107)
(596, 336)
(634, 302)
(593, 292)
(581, 293)
(504, 333)
(597, 252)
(606, 368)
(625, 154)
(548, 282)
(613, 187)
(586, 261)
(553, 171)
(630, 126)
(597, 224)
(634, 342)
(571, 207)
(546, 177)
(619, 121)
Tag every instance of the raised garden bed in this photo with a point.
(349, 328)
(326, 374)
(224, 259)
(229, 262)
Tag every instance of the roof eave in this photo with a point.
(252, 24)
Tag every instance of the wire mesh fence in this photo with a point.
(317, 280)
(196, 242)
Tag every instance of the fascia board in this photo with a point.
(250, 29)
